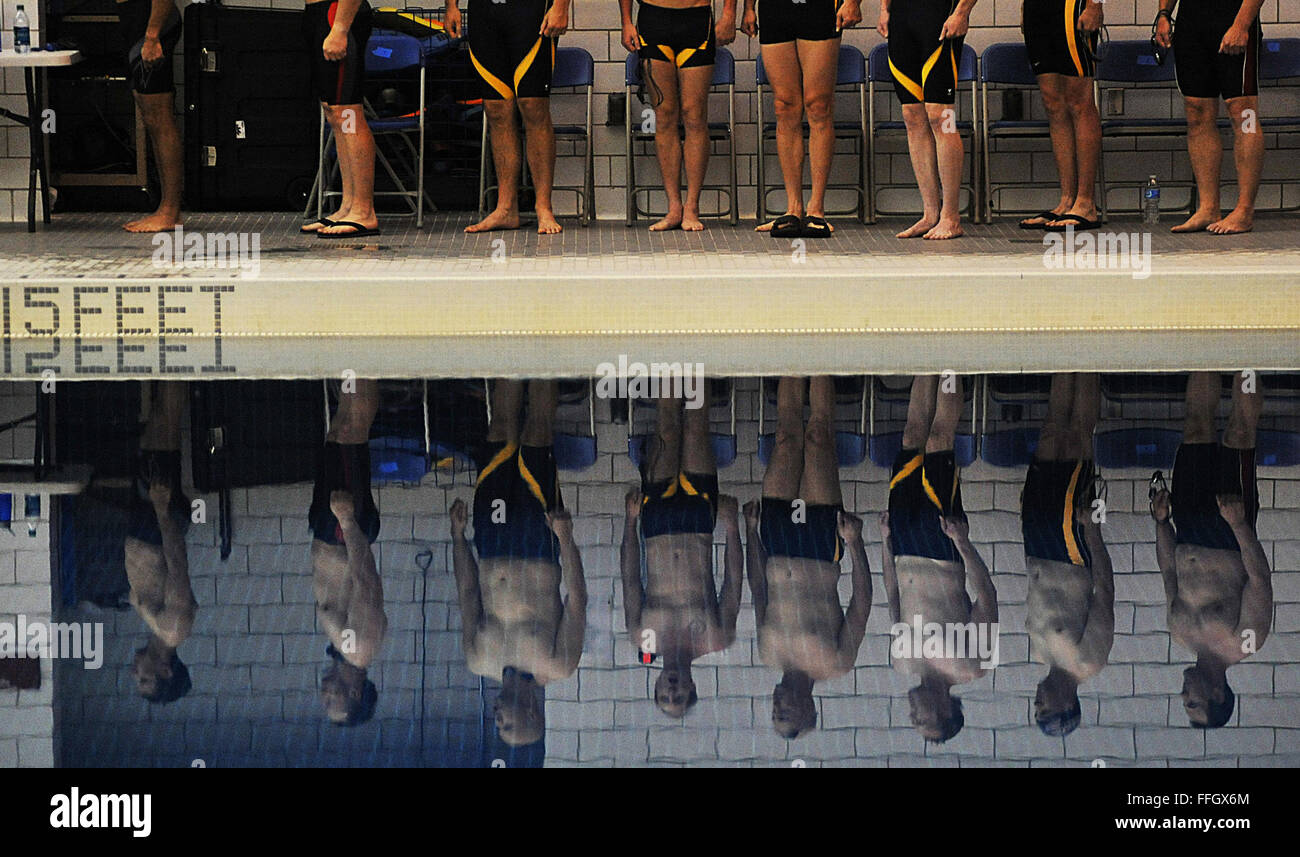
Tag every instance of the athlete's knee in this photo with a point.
(695, 118)
(942, 118)
(914, 117)
(788, 105)
(820, 108)
(1201, 112)
(818, 434)
(668, 116)
(536, 112)
(1055, 101)
(1078, 98)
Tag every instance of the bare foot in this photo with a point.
(767, 227)
(944, 229)
(1198, 222)
(672, 220)
(159, 221)
(502, 218)
(1236, 222)
(920, 227)
(547, 224)
(692, 223)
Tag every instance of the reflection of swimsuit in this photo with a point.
(1054, 490)
(133, 21)
(507, 49)
(686, 504)
(924, 487)
(1203, 471)
(517, 486)
(784, 21)
(683, 37)
(343, 467)
(156, 467)
(924, 68)
(810, 532)
(1202, 71)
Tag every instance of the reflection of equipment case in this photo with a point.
(250, 118)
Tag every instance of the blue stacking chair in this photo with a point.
(578, 451)
(574, 70)
(850, 446)
(1279, 66)
(851, 74)
(1148, 448)
(878, 73)
(1013, 445)
(1275, 448)
(1133, 64)
(724, 80)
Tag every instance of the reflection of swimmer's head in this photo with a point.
(675, 692)
(935, 712)
(1056, 705)
(794, 712)
(520, 715)
(160, 678)
(348, 696)
(1208, 701)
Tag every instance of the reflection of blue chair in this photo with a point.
(1152, 448)
(724, 79)
(724, 444)
(850, 446)
(878, 72)
(399, 442)
(852, 72)
(578, 451)
(883, 447)
(574, 69)
(1013, 447)
(1274, 448)
(1279, 60)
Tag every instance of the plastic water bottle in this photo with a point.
(1151, 201)
(22, 32)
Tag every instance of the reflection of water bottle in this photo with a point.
(1151, 201)
(22, 32)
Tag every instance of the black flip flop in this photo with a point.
(1079, 224)
(1044, 216)
(358, 231)
(787, 226)
(321, 221)
(815, 227)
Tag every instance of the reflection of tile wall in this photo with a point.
(26, 716)
(255, 656)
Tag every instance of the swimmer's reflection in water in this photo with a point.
(349, 593)
(928, 557)
(797, 535)
(157, 566)
(678, 615)
(514, 624)
(1070, 604)
(1218, 583)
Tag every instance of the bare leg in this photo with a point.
(1060, 126)
(1246, 408)
(357, 150)
(820, 64)
(784, 468)
(507, 157)
(166, 411)
(1083, 415)
(1204, 389)
(950, 155)
(786, 77)
(925, 165)
(165, 137)
(920, 411)
(543, 400)
(668, 143)
(1206, 152)
(507, 403)
(1059, 402)
(664, 453)
(536, 113)
(697, 442)
(695, 84)
(1248, 155)
(821, 467)
(947, 412)
(356, 413)
(1085, 128)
